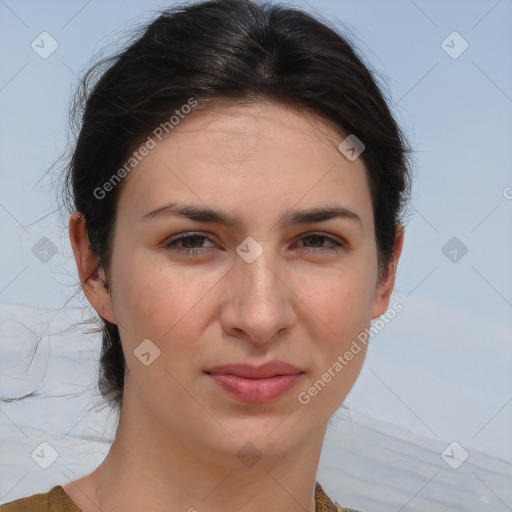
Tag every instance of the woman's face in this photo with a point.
(259, 279)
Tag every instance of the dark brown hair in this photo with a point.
(235, 50)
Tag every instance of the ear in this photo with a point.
(91, 275)
(386, 280)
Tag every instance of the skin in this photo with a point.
(179, 433)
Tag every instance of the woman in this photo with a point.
(237, 185)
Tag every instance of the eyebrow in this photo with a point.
(294, 217)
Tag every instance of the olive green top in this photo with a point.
(57, 500)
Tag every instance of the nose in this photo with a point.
(259, 300)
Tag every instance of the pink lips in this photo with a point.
(257, 385)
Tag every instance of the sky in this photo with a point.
(443, 367)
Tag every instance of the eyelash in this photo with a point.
(200, 251)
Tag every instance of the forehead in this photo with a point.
(258, 119)
(247, 152)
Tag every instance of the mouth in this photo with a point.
(256, 385)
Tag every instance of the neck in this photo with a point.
(163, 473)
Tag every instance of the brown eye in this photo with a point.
(190, 244)
(316, 242)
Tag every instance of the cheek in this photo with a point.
(158, 301)
(152, 303)
(144, 301)
(343, 304)
(343, 300)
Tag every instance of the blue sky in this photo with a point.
(442, 368)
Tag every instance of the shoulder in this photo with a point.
(34, 503)
(55, 500)
(324, 503)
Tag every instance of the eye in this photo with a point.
(318, 239)
(192, 243)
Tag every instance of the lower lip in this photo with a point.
(256, 391)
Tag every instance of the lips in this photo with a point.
(271, 369)
(256, 384)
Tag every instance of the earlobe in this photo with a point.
(386, 281)
(92, 276)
